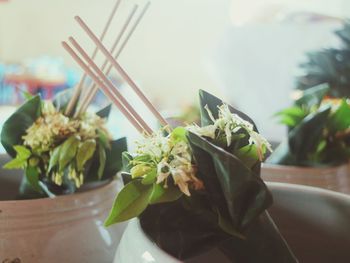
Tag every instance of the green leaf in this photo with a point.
(293, 111)
(248, 155)
(305, 137)
(140, 170)
(85, 152)
(62, 99)
(102, 158)
(178, 134)
(143, 158)
(68, 151)
(213, 102)
(15, 127)
(22, 152)
(27, 95)
(22, 156)
(131, 201)
(340, 119)
(103, 139)
(126, 159)
(150, 177)
(104, 113)
(227, 226)
(313, 96)
(32, 176)
(27, 191)
(16, 164)
(113, 161)
(54, 158)
(114, 158)
(164, 195)
(291, 116)
(232, 187)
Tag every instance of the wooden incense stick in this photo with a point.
(103, 87)
(107, 72)
(92, 90)
(121, 71)
(110, 85)
(78, 89)
(130, 34)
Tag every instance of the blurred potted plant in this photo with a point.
(317, 149)
(60, 156)
(329, 66)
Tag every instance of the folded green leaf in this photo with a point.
(85, 152)
(131, 201)
(103, 139)
(150, 176)
(55, 156)
(15, 164)
(102, 159)
(212, 102)
(164, 195)
(313, 96)
(15, 126)
(68, 151)
(179, 134)
(22, 156)
(126, 160)
(104, 113)
(305, 137)
(114, 162)
(340, 119)
(292, 116)
(32, 175)
(248, 155)
(244, 193)
(62, 100)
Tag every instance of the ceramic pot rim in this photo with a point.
(58, 210)
(301, 169)
(271, 185)
(306, 188)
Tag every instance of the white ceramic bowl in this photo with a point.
(315, 223)
(65, 229)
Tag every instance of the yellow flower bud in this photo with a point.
(139, 170)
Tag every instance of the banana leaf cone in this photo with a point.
(230, 215)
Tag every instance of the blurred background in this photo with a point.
(246, 51)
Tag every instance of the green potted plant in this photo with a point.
(316, 151)
(68, 164)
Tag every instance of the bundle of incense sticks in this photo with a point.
(99, 75)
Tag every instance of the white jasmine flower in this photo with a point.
(171, 159)
(230, 123)
(51, 130)
(207, 131)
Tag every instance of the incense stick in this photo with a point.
(78, 89)
(121, 71)
(92, 90)
(111, 86)
(103, 87)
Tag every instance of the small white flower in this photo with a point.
(171, 159)
(230, 123)
(207, 131)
